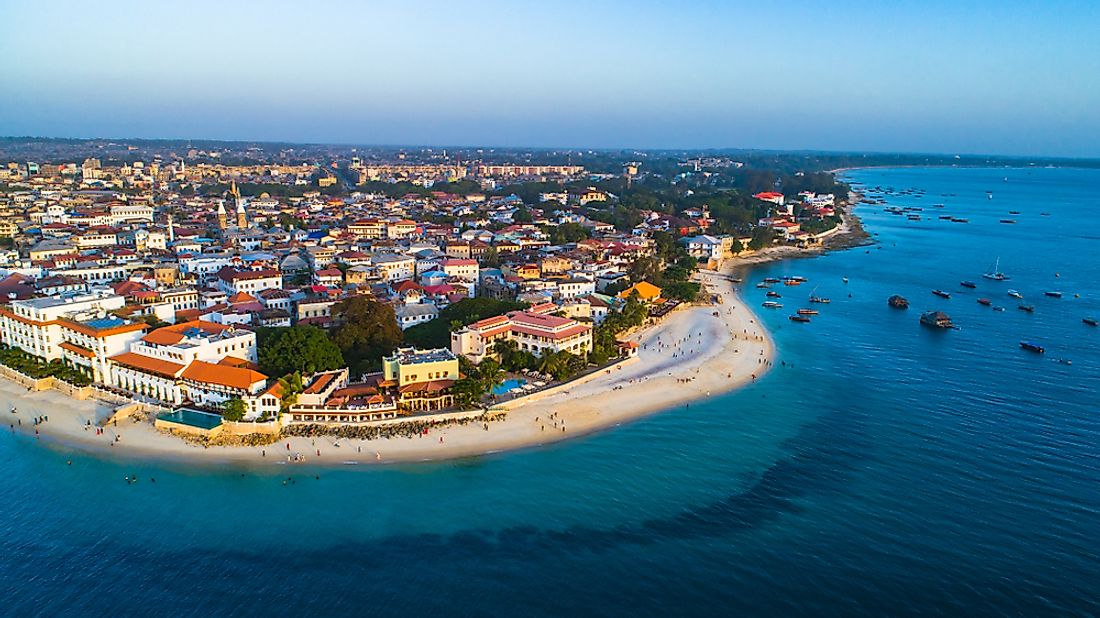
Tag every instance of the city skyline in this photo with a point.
(984, 79)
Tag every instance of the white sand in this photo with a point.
(689, 356)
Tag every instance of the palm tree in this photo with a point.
(490, 374)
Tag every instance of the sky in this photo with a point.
(1004, 77)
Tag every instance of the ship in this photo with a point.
(897, 302)
(936, 319)
(941, 294)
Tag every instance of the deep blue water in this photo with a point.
(887, 469)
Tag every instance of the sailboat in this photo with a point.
(995, 273)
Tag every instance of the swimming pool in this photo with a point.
(508, 385)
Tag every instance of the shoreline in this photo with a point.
(692, 355)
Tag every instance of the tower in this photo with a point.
(223, 218)
(171, 229)
(242, 218)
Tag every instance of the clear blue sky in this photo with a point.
(1002, 77)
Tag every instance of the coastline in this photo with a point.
(690, 356)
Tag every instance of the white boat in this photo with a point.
(771, 304)
(1015, 294)
(995, 273)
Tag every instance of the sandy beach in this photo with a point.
(691, 355)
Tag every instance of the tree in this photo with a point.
(490, 373)
(305, 349)
(234, 409)
(366, 331)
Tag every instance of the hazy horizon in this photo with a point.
(998, 79)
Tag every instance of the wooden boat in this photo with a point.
(1091, 321)
(897, 302)
(773, 294)
(1027, 308)
(1032, 347)
(798, 318)
(968, 284)
(941, 293)
(807, 312)
(1053, 294)
(985, 301)
(936, 319)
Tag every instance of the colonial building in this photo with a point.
(533, 331)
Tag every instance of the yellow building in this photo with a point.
(422, 378)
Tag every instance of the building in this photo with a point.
(647, 292)
(422, 378)
(532, 331)
(233, 281)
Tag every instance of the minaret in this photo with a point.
(223, 218)
(171, 229)
(242, 219)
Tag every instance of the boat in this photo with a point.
(820, 299)
(792, 282)
(995, 273)
(914, 217)
(968, 284)
(897, 302)
(936, 319)
(771, 304)
(998, 308)
(763, 286)
(771, 280)
(1027, 308)
(946, 217)
(807, 312)
(1091, 321)
(1053, 294)
(1032, 347)
(1015, 294)
(1014, 212)
(798, 318)
(985, 301)
(1009, 221)
(959, 220)
(773, 294)
(941, 293)
(845, 280)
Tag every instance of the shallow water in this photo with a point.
(885, 468)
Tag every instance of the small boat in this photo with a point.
(770, 304)
(798, 318)
(941, 293)
(1044, 214)
(1027, 308)
(968, 284)
(1091, 321)
(791, 282)
(807, 312)
(1064, 361)
(763, 285)
(773, 294)
(1015, 294)
(998, 308)
(936, 319)
(995, 273)
(946, 217)
(820, 299)
(1053, 294)
(1014, 212)
(1008, 221)
(914, 217)
(897, 302)
(845, 280)
(1032, 347)
(958, 220)
(771, 280)
(985, 301)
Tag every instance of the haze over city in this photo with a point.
(982, 77)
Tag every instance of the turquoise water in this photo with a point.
(195, 418)
(883, 468)
(508, 385)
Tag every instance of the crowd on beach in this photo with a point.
(410, 429)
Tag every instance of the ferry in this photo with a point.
(798, 318)
(1027, 308)
(968, 284)
(941, 294)
(807, 312)
(936, 319)
(770, 304)
(1032, 347)
(1053, 294)
(897, 302)
(773, 294)
(985, 301)
(1015, 294)
(1091, 321)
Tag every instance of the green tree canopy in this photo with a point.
(234, 409)
(366, 331)
(305, 349)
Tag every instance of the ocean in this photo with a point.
(881, 468)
